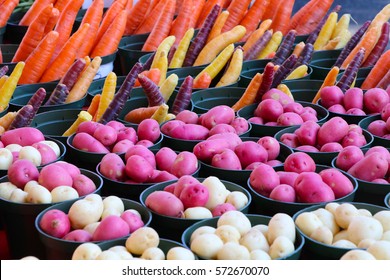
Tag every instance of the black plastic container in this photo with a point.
(2, 31)
(303, 89)
(322, 62)
(8, 52)
(387, 200)
(14, 32)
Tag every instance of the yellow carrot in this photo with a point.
(218, 63)
(161, 113)
(344, 38)
(326, 32)
(234, 70)
(272, 45)
(180, 53)
(218, 25)
(298, 72)
(257, 34)
(162, 65)
(84, 81)
(216, 45)
(298, 48)
(332, 44)
(7, 119)
(8, 88)
(169, 117)
(2, 130)
(286, 90)
(329, 80)
(342, 24)
(2, 80)
(108, 92)
(81, 117)
(165, 46)
(168, 86)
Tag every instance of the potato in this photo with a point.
(180, 253)
(262, 228)
(218, 114)
(110, 211)
(108, 255)
(227, 159)
(86, 142)
(259, 255)
(6, 189)
(331, 95)
(299, 162)
(343, 243)
(63, 193)
(122, 252)
(53, 175)
(357, 255)
(281, 225)
(331, 207)
(386, 235)
(52, 145)
(337, 181)
(240, 125)
(30, 153)
(86, 251)
(254, 240)
(142, 239)
(185, 163)
(263, 179)
(189, 132)
(233, 251)
(365, 243)
(202, 230)
(38, 194)
(310, 188)
(187, 116)
(341, 235)
(112, 166)
(197, 213)
(348, 156)
(238, 199)
(327, 219)
(249, 152)
(322, 234)
(380, 250)
(153, 253)
(47, 153)
(217, 191)
(362, 227)
(165, 203)
(278, 95)
(384, 218)
(206, 245)
(148, 129)
(18, 196)
(205, 150)
(307, 133)
(344, 214)
(269, 110)
(165, 157)
(86, 211)
(290, 139)
(307, 222)
(222, 128)
(23, 136)
(113, 202)
(375, 99)
(90, 228)
(228, 233)
(289, 118)
(106, 134)
(236, 219)
(353, 138)
(353, 98)
(332, 130)
(331, 147)
(281, 247)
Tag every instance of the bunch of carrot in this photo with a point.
(6, 8)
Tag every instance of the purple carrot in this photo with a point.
(268, 76)
(258, 46)
(352, 43)
(37, 99)
(201, 38)
(385, 81)
(148, 62)
(285, 48)
(171, 53)
(305, 56)
(314, 35)
(183, 97)
(3, 70)
(58, 95)
(74, 71)
(118, 102)
(380, 46)
(23, 117)
(151, 90)
(284, 70)
(350, 72)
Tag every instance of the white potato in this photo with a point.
(52, 145)
(206, 245)
(307, 222)
(228, 233)
(386, 236)
(380, 250)
(357, 255)
(384, 218)
(328, 220)
(281, 247)
(13, 147)
(344, 214)
(32, 154)
(217, 191)
(153, 253)
(30, 184)
(63, 193)
(38, 194)
(364, 212)
(343, 243)
(281, 224)
(108, 255)
(18, 196)
(91, 227)
(180, 253)
(233, 251)
(142, 239)
(86, 251)
(6, 158)
(254, 240)
(6, 189)
(342, 234)
(259, 255)
(362, 227)
(331, 207)
(86, 211)
(365, 243)
(322, 234)
(113, 202)
(236, 219)
(197, 213)
(109, 212)
(29, 258)
(202, 230)
(238, 199)
(122, 252)
(261, 227)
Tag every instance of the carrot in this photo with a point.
(161, 113)
(6, 10)
(203, 81)
(135, 16)
(161, 28)
(196, 10)
(378, 71)
(1, 57)
(58, 95)
(305, 55)
(162, 65)
(3, 79)
(233, 72)
(255, 36)
(151, 90)
(23, 117)
(180, 53)
(153, 74)
(182, 22)
(253, 17)
(285, 48)
(93, 16)
(109, 42)
(385, 81)
(10, 84)
(298, 72)
(107, 95)
(38, 61)
(129, 5)
(271, 9)
(216, 29)
(84, 81)
(60, 4)
(284, 70)
(149, 20)
(164, 46)
(350, 72)
(298, 48)
(34, 11)
(272, 45)
(248, 97)
(183, 97)
(266, 82)
(257, 47)
(281, 18)
(301, 13)
(208, 6)
(7, 119)
(36, 99)
(139, 114)
(310, 20)
(73, 72)
(286, 90)
(51, 23)
(342, 24)
(168, 86)
(380, 46)
(329, 80)
(83, 116)
(148, 62)
(237, 10)
(3, 70)
(326, 31)
(93, 107)
(66, 57)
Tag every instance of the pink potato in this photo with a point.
(289, 118)
(353, 139)
(339, 183)
(264, 179)
(222, 208)
(118, 126)
(310, 188)
(283, 192)
(86, 142)
(240, 125)
(331, 95)
(83, 185)
(274, 162)
(72, 169)
(1, 145)
(287, 177)
(187, 116)
(388, 125)
(278, 95)
(148, 129)
(227, 159)
(294, 107)
(194, 196)
(290, 139)
(375, 99)
(133, 220)
(52, 176)
(106, 135)
(348, 156)
(111, 227)
(170, 188)
(307, 148)
(78, 235)
(253, 165)
(380, 181)
(256, 120)
(385, 113)
(165, 157)
(55, 223)
(249, 152)
(299, 162)
(205, 150)
(222, 128)
(189, 132)
(47, 153)
(271, 145)
(356, 128)
(378, 128)
(145, 143)
(142, 151)
(127, 133)
(231, 139)
(112, 166)
(165, 203)
(122, 146)
(353, 98)
(337, 109)
(218, 114)
(306, 116)
(167, 127)
(162, 176)
(355, 112)
(24, 136)
(371, 167)
(88, 127)
(307, 133)
(183, 182)
(331, 147)
(269, 110)
(333, 130)
(138, 168)
(185, 163)
(309, 110)
(380, 149)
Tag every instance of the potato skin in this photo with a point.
(372, 166)
(332, 130)
(24, 136)
(165, 203)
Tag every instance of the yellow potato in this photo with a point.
(344, 214)
(206, 245)
(357, 255)
(281, 247)
(30, 184)
(362, 227)
(200, 231)
(86, 251)
(63, 193)
(180, 253)
(322, 234)
(153, 253)
(307, 222)
(281, 224)
(108, 255)
(259, 255)
(328, 220)
(237, 199)
(86, 211)
(255, 240)
(236, 219)
(18, 196)
(197, 213)
(142, 239)
(113, 202)
(233, 251)
(380, 250)
(384, 218)
(38, 194)
(228, 233)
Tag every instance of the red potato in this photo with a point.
(226, 160)
(185, 163)
(353, 139)
(83, 185)
(278, 95)
(380, 149)
(264, 179)
(333, 130)
(290, 139)
(299, 162)
(133, 220)
(205, 150)
(240, 125)
(378, 128)
(142, 151)
(187, 116)
(88, 127)
(307, 148)
(249, 152)
(307, 133)
(105, 134)
(348, 156)
(371, 167)
(162, 176)
(216, 115)
(331, 95)
(194, 196)
(355, 112)
(138, 169)
(189, 132)
(337, 109)
(24, 136)
(338, 182)
(112, 167)
(294, 107)
(253, 165)
(183, 182)
(72, 169)
(355, 127)
(148, 129)
(127, 133)
(269, 110)
(289, 118)
(55, 222)
(165, 157)
(385, 113)
(222, 128)
(271, 124)
(283, 192)
(309, 110)
(271, 145)
(310, 188)
(118, 126)
(353, 98)
(307, 116)
(287, 177)
(388, 124)
(232, 139)
(375, 99)
(256, 120)
(86, 142)
(170, 188)
(53, 175)
(122, 146)
(220, 209)
(78, 235)
(331, 147)
(274, 162)
(165, 203)
(47, 153)
(380, 181)
(145, 143)
(111, 227)
(167, 127)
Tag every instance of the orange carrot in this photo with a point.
(34, 11)
(109, 42)
(208, 6)
(92, 108)
(179, 4)
(252, 18)
(248, 97)
(51, 23)
(161, 29)
(149, 21)
(182, 22)
(66, 57)
(218, 25)
(153, 74)
(136, 15)
(256, 35)
(196, 10)
(378, 71)
(65, 24)
(93, 16)
(33, 36)
(60, 4)
(139, 114)
(6, 10)
(304, 10)
(281, 19)
(203, 81)
(271, 9)
(298, 48)
(129, 5)
(237, 10)
(37, 62)
(6, 120)
(329, 80)
(309, 21)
